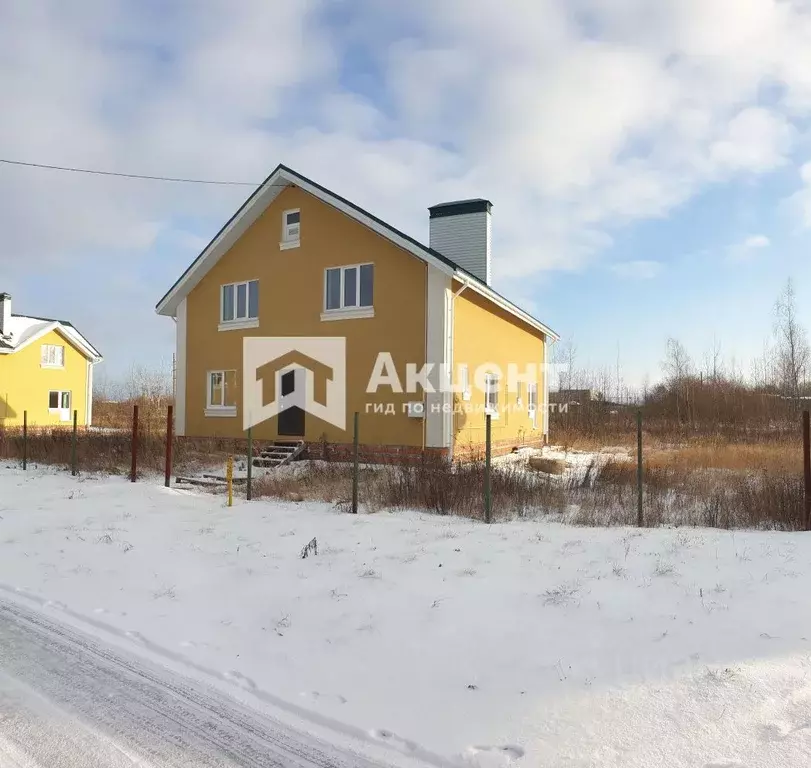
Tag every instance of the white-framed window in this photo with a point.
(349, 291)
(464, 381)
(532, 403)
(239, 305)
(58, 400)
(291, 229)
(491, 384)
(52, 356)
(221, 389)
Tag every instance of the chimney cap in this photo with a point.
(5, 296)
(458, 207)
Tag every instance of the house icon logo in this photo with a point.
(290, 376)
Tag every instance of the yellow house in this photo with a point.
(46, 370)
(430, 348)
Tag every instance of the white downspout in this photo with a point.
(88, 408)
(451, 358)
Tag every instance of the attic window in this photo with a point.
(52, 356)
(291, 229)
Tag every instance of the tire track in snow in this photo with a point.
(148, 716)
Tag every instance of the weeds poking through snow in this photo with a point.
(369, 573)
(619, 571)
(561, 595)
(311, 548)
(721, 675)
(663, 568)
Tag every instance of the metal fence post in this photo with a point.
(25, 439)
(355, 467)
(134, 466)
(73, 469)
(248, 491)
(167, 480)
(229, 478)
(640, 519)
(807, 469)
(488, 496)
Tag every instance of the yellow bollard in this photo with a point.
(229, 476)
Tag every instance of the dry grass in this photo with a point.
(605, 495)
(111, 452)
(770, 456)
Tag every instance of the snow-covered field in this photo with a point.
(525, 642)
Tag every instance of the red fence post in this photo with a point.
(807, 469)
(169, 427)
(134, 468)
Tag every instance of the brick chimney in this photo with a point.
(5, 314)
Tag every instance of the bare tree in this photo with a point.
(791, 347)
(147, 384)
(565, 355)
(714, 362)
(678, 368)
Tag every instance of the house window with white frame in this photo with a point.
(532, 403)
(291, 229)
(221, 388)
(349, 290)
(491, 384)
(58, 400)
(239, 305)
(464, 381)
(52, 356)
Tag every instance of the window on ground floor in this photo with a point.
(58, 400)
(532, 403)
(491, 384)
(221, 390)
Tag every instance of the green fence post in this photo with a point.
(73, 470)
(248, 491)
(488, 498)
(355, 468)
(25, 439)
(640, 519)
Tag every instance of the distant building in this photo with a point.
(46, 370)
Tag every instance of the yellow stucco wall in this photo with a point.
(484, 334)
(291, 298)
(25, 384)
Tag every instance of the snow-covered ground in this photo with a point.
(523, 642)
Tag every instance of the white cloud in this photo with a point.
(800, 201)
(746, 249)
(571, 131)
(637, 270)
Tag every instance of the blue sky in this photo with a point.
(648, 163)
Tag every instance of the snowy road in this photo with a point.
(66, 700)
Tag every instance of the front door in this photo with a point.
(291, 419)
(64, 410)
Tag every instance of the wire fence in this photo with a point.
(637, 488)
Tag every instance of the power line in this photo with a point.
(95, 172)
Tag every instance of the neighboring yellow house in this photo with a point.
(46, 370)
(297, 260)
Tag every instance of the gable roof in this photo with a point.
(25, 330)
(283, 177)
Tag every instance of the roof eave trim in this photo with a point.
(500, 301)
(78, 341)
(169, 303)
